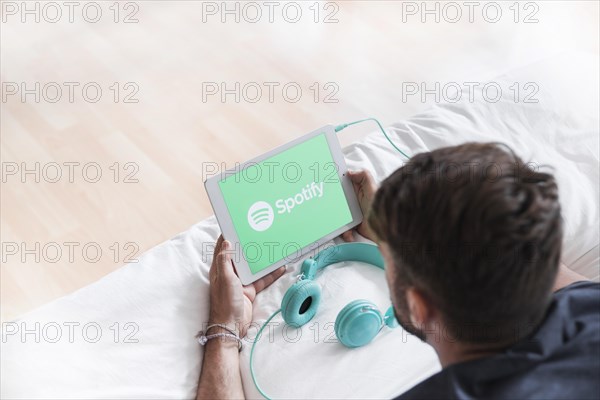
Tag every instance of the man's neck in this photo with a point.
(455, 352)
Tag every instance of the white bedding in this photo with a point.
(165, 294)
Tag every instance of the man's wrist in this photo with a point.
(215, 325)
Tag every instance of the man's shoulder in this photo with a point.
(567, 339)
(578, 300)
(580, 288)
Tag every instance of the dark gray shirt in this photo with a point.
(560, 360)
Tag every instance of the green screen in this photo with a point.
(285, 202)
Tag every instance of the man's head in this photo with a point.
(473, 236)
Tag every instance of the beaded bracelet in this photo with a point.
(203, 338)
(223, 326)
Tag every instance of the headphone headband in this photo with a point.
(362, 252)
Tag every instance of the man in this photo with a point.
(471, 238)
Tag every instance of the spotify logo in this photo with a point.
(260, 216)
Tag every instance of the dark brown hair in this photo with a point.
(478, 232)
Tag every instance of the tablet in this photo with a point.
(281, 205)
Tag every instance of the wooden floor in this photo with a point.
(152, 153)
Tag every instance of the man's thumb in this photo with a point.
(223, 256)
(357, 176)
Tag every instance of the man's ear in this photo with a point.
(420, 309)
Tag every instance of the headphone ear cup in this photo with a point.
(300, 303)
(358, 323)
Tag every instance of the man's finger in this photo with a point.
(358, 179)
(216, 251)
(357, 176)
(348, 236)
(265, 281)
(224, 264)
(362, 178)
(219, 243)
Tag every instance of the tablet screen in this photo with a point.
(285, 202)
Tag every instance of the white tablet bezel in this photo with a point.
(219, 207)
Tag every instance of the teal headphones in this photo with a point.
(359, 321)
(356, 324)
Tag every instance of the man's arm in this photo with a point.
(230, 305)
(220, 377)
(566, 276)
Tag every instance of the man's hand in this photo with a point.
(230, 302)
(365, 188)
